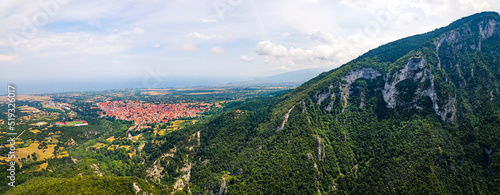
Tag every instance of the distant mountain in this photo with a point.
(298, 76)
(288, 78)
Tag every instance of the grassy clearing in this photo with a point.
(42, 166)
(99, 145)
(64, 154)
(42, 154)
(111, 139)
(36, 131)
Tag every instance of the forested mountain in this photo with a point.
(420, 115)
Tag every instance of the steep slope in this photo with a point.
(420, 115)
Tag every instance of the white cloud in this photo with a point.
(206, 37)
(218, 50)
(81, 33)
(70, 43)
(322, 36)
(296, 55)
(247, 59)
(138, 30)
(266, 48)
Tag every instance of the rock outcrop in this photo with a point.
(353, 76)
(416, 73)
(489, 28)
(286, 119)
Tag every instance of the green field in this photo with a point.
(71, 123)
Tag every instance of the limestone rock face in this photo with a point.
(489, 28)
(353, 76)
(413, 83)
(414, 72)
(410, 87)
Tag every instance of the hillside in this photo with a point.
(87, 185)
(420, 115)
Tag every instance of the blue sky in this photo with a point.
(52, 41)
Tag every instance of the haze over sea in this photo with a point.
(124, 83)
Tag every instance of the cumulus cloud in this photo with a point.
(218, 50)
(247, 59)
(266, 48)
(297, 55)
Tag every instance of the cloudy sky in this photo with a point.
(56, 41)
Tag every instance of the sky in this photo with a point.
(61, 45)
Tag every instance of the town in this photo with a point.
(151, 113)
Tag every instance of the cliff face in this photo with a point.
(413, 86)
(403, 90)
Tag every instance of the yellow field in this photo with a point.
(176, 124)
(39, 123)
(64, 154)
(28, 109)
(111, 139)
(24, 152)
(17, 143)
(126, 147)
(161, 132)
(42, 166)
(4, 158)
(99, 145)
(112, 147)
(35, 131)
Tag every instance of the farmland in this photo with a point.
(72, 127)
